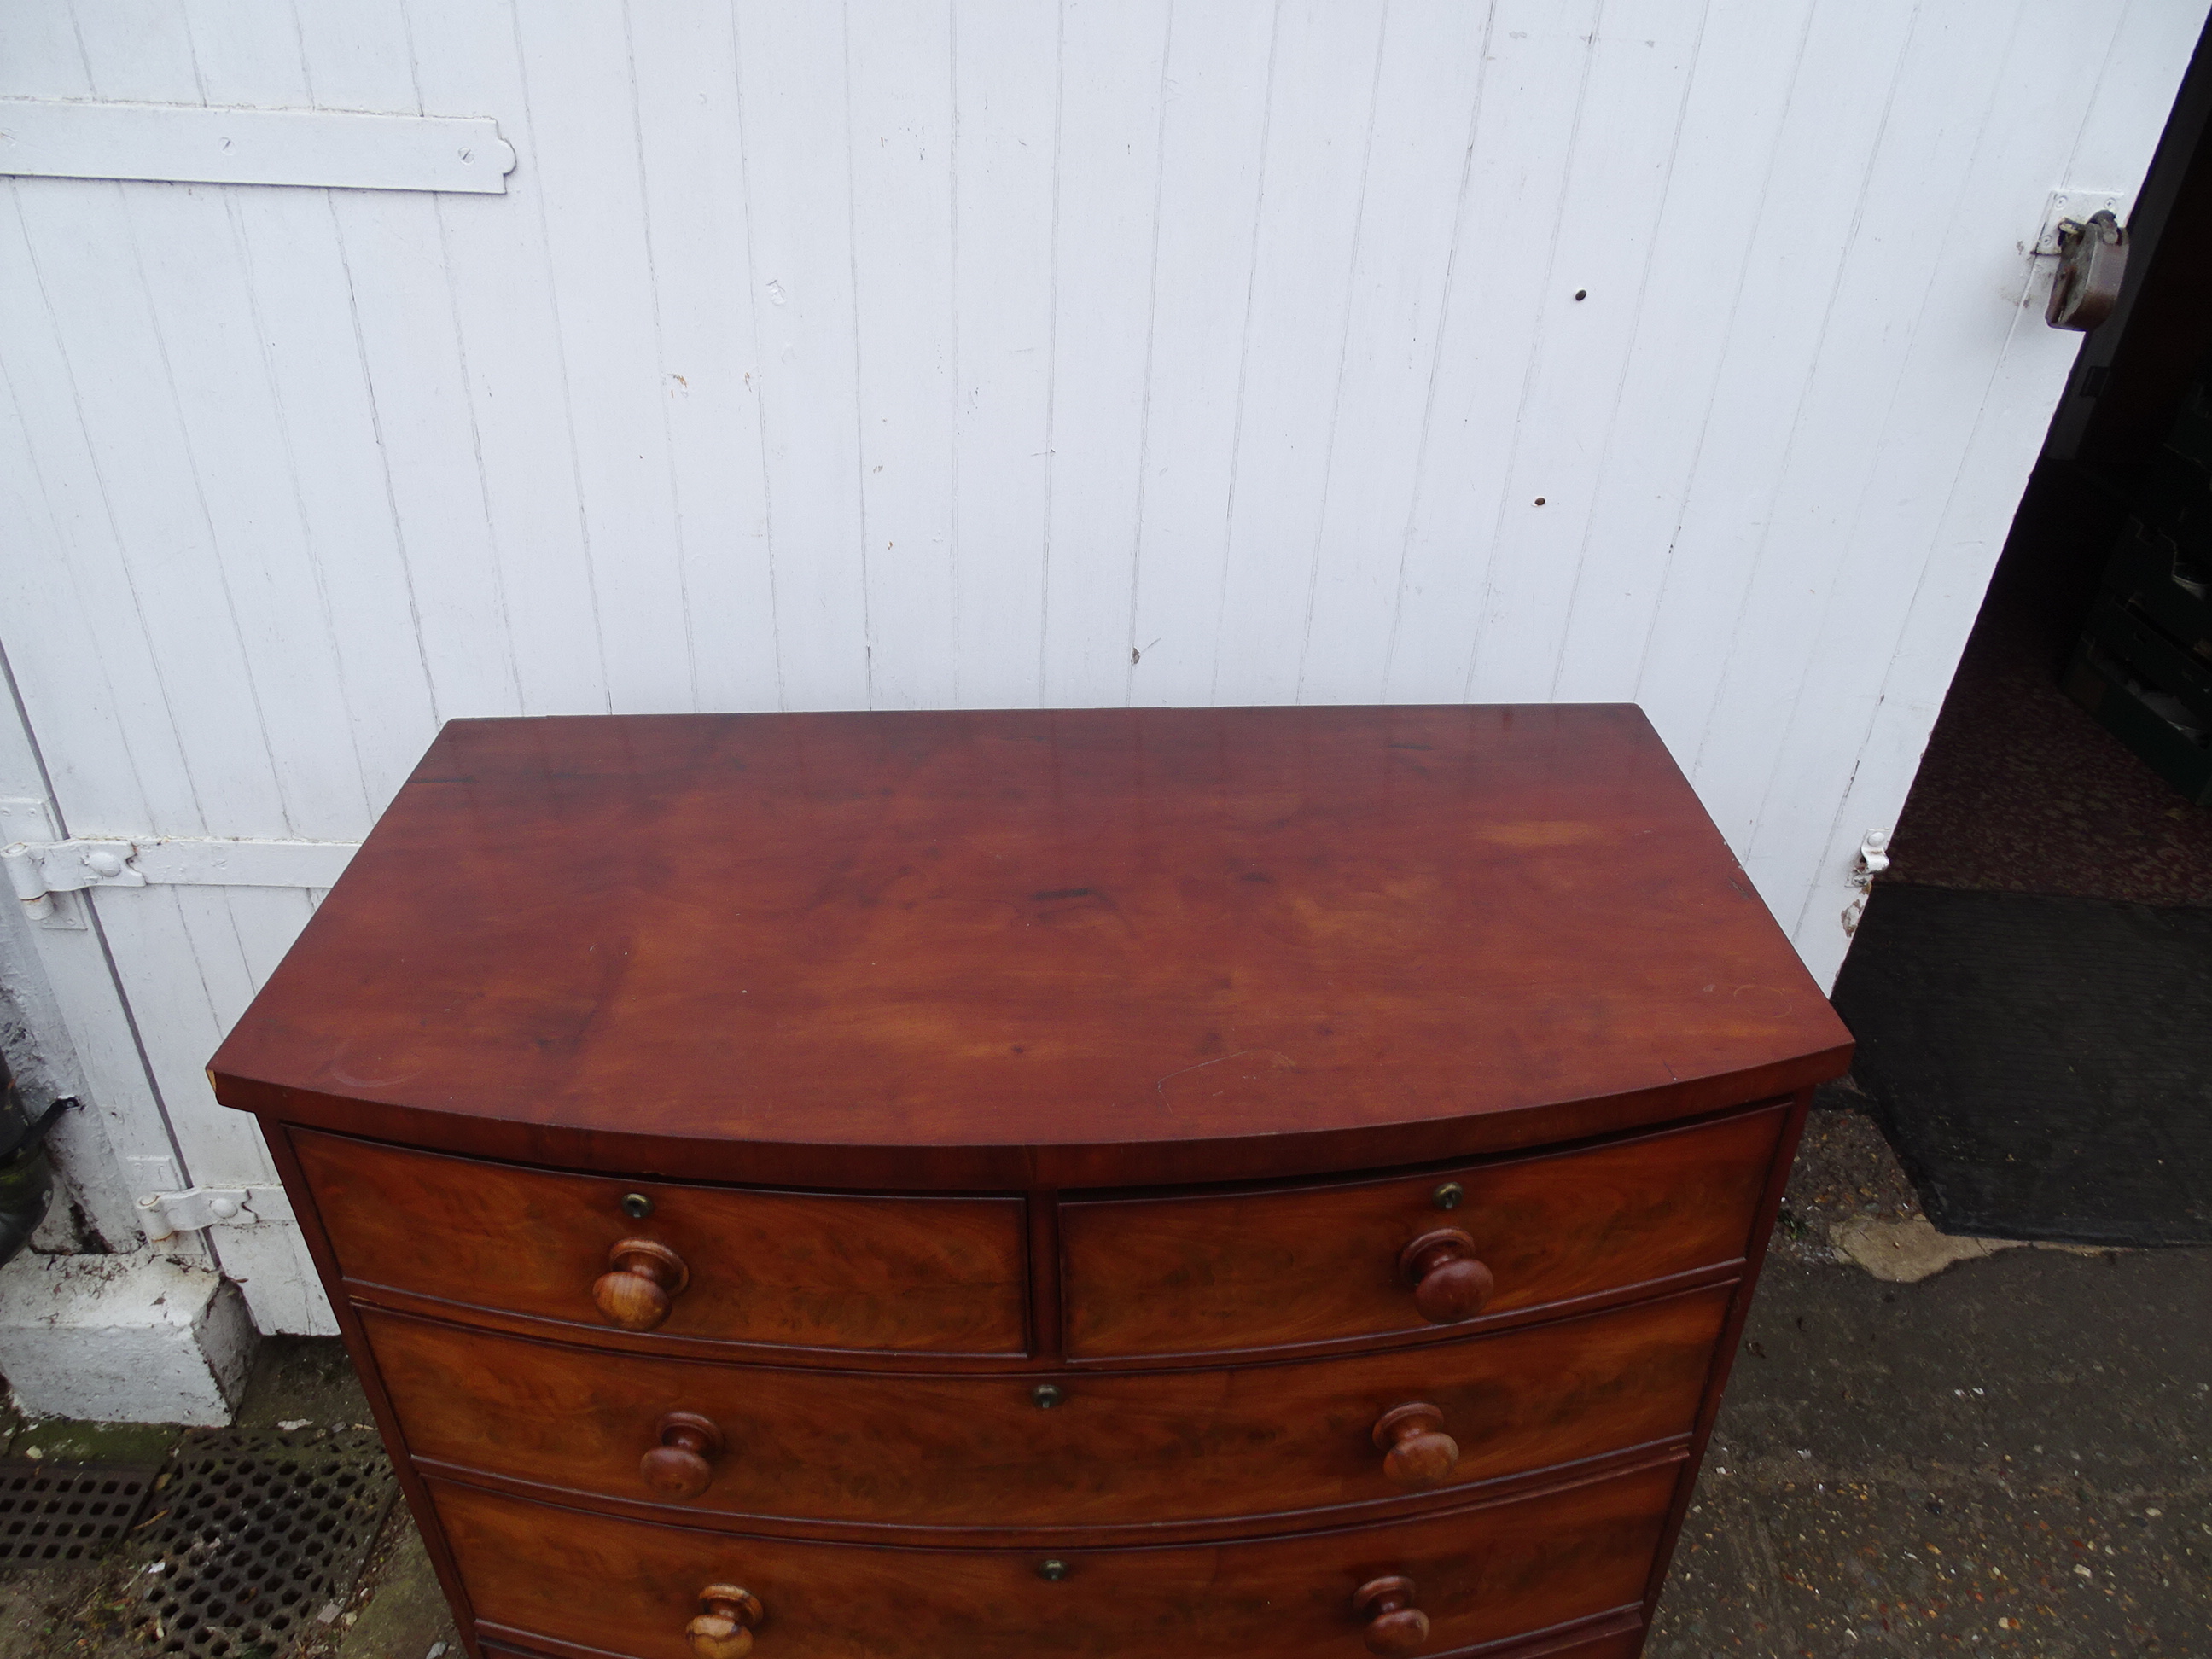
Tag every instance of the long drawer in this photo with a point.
(1275, 1268)
(1482, 1574)
(839, 1272)
(1290, 1443)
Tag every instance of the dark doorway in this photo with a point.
(2032, 984)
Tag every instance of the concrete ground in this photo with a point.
(1979, 1452)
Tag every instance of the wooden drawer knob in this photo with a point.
(1417, 1452)
(724, 1628)
(643, 1280)
(1394, 1626)
(683, 1463)
(1449, 1283)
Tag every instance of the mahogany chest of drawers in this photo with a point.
(1162, 1183)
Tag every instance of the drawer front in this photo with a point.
(1277, 1269)
(922, 1275)
(1484, 1574)
(1293, 1442)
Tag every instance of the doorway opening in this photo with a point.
(2032, 984)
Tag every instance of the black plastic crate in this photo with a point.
(2164, 581)
(2130, 704)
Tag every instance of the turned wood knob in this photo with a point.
(1394, 1626)
(1416, 1451)
(643, 1280)
(683, 1463)
(724, 1628)
(1449, 1283)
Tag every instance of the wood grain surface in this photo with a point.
(944, 1275)
(1483, 1575)
(1145, 1451)
(1024, 948)
(1264, 1269)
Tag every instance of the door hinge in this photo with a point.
(164, 1215)
(39, 870)
(1872, 859)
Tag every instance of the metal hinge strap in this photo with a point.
(38, 870)
(164, 1215)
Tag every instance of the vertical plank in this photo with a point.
(181, 966)
(1947, 337)
(1746, 57)
(1623, 155)
(343, 600)
(1006, 100)
(136, 51)
(576, 65)
(1426, 96)
(1841, 93)
(40, 57)
(113, 754)
(189, 960)
(794, 110)
(389, 259)
(469, 363)
(269, 1262)
(685, 90)
(1212, 133)
(1105, 202)
(169, 600)
(124, 1118)
(900, 56)
(1860, 378)
(236, 438)
(1532, 97)
(1313, 193)
(154, 611)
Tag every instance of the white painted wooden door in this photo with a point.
(903, 353)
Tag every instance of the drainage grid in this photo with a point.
(261, 1540)
(51, 1510)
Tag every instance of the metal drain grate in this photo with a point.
(262, 1532)
(53, 1512)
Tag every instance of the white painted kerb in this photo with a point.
(123, 1339)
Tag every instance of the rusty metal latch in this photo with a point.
(2093, 258)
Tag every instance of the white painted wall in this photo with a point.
(908, 353)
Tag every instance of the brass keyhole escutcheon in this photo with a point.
(1448, 1195)
(1046, 1396)
(636, 1206)
(1052, 1572)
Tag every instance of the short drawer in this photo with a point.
(629, 1587)
(1276, 1267)
(1292, 1444)
(718, 1264)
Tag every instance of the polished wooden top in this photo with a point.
(1090, 947)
